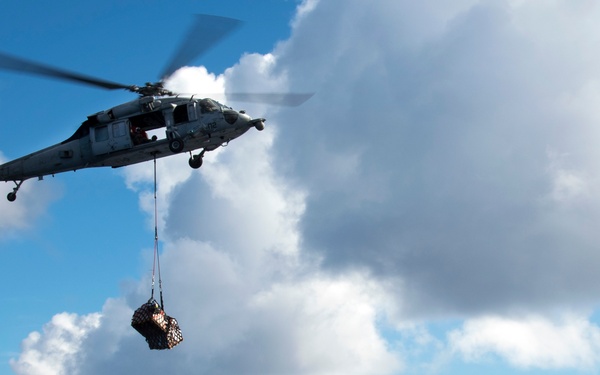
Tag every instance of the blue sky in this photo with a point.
(432, 209)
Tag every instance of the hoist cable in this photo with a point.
(156, 261)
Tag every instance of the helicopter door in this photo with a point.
(110, 138)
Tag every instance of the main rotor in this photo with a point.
(151, 89)
(205, 32)
(212, 29)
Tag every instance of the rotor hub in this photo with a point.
(151, 89)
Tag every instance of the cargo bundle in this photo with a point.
(160, 330)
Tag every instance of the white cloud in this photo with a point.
(424, 150)
(330, 324)
(571, 342)
(33, 200)
(57, 348)
(568, 186)
(196, 80)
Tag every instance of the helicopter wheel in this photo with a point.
(176, 145)
(260, 126)
(195, 161)
(11, 196)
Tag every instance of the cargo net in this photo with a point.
(160, 330)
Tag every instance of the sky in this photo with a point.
(432, 209)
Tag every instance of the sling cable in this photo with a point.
(160, 330)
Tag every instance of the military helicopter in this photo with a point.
(117, 137)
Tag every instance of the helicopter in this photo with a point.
(118, 136)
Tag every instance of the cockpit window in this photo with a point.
(208, 105)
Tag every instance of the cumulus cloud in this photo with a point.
(56, 349)
(430, 151)
(31, 204)
(570, 342)
(197, 80)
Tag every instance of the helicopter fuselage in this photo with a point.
(118, 137)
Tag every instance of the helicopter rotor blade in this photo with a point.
(280, 99)
(18, 64)
(206, 31)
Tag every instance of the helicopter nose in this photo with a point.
(244, 117)
(258, 123)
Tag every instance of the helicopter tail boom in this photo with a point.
(59, 158)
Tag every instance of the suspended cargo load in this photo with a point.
(160, 330)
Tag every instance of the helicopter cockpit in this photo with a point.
(208, 105)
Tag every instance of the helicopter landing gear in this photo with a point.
(176, 145)
(196, 160)
(12, 196)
